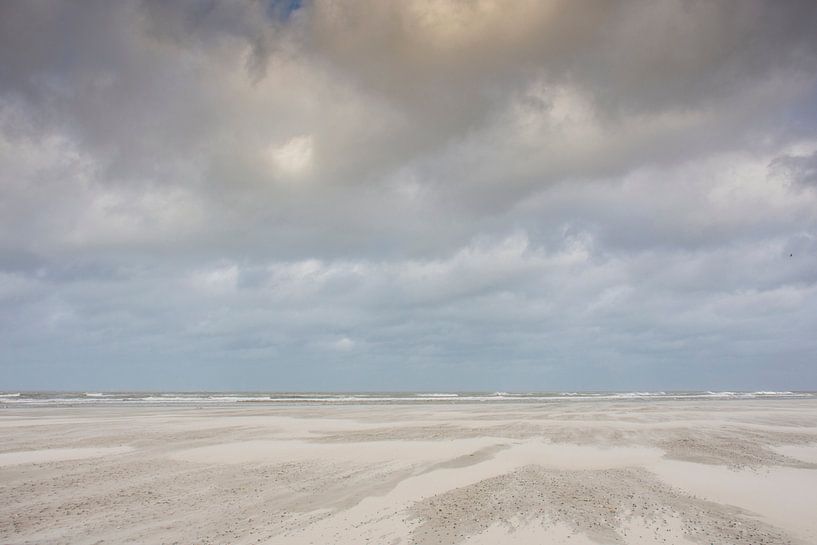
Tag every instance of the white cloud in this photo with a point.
(292, 158)
(344, 344)
(218, 280)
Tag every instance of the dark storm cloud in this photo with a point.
(403, 194)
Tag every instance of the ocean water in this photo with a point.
(11, 399)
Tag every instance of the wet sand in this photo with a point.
(629, 472)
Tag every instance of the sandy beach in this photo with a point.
(578, 472)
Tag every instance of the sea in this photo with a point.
(16, 399)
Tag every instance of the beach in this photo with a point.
(584, 471)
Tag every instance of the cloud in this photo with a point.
(468, 195)
(293, 157)
(797, 168)
(217, 280)
(344, 344)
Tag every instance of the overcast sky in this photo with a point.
(374, 195)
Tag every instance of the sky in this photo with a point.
(409, 195)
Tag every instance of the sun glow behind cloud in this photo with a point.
(292, 158)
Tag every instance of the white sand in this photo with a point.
(56, 455)
(524, 533)
(372, 452)
(639, 473)
(785, 496)
(806, 453)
